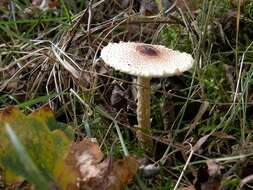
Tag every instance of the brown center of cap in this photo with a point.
(147, 50)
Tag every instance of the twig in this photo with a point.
(185, 166)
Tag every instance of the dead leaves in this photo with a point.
(99, 174)
(168, 113)
(148, 8)
(56, 158)
(95, 173)
(46, 4)
(185, 5)
(42, 148)
(200, 142)
(209, 177)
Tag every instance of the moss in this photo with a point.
(215, 82)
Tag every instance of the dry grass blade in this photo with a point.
(74, 72)
(51, 56)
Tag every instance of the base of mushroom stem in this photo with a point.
(146, 140)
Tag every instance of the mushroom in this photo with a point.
(145, 61)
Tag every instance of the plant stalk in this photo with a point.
(143, 112)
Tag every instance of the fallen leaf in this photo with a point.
(148, 8)
(223, 135)
(122, 3)
(200, 142)
(45, 4)
(122, 173)
(209, 176)
(62, 163)
(193, 5)
(47, 149)
(168, 113)
(119, 97)
(86, 157)
(213, 168)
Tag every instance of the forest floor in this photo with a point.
(202, 125)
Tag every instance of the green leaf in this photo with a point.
(35, 143)
(46, 115)
(30, 170)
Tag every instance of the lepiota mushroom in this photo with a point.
(145, 61)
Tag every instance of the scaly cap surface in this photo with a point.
(146, 60)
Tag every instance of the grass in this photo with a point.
(52, 57)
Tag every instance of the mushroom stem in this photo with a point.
(143, 111)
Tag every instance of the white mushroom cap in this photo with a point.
(146, 60)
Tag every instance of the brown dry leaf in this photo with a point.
(45, 4)
(223, 135)
(118, 97)
(122, 173)
(200, 142)
(193, 5)
(85, 79)
(122, 3)
(11, 85)
(53, 4)
(209, 177)
(86, 158)
(213, 168)
(168, 113)
(38, 2)
(148, 8)
(229, 72)
(4, 3)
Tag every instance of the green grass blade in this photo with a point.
(30, 167)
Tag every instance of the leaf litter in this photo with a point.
(32, 69)
(67, 164)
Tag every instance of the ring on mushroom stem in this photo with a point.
(145, 61)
